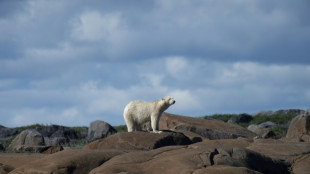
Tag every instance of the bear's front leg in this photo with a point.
(154, 123)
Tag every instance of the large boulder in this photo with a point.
(68, 162)
(100, 129)
(241, 118)
(301, 165)
(28, 140)
(180, 159)
(139, 141)
(264, 129)
(6, 133)
(55, 135)
(281, 149)
(4, 169)
(210, 129)
(300, 126)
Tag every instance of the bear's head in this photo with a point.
(168, 100)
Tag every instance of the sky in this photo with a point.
(72, 62)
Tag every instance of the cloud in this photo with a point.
(88, 61)
(92, 26)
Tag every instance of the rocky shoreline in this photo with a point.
(187, 145)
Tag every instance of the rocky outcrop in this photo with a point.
(210, 129)
(6, 133)
(299, 127)
(4, 169)
(29, 141)
(55, 135)
(176, 159)
(140, 141)
(263, 130)
(68, 162)
(183, 150)
(100, 129)
(280, 149)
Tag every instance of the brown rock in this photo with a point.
(225, 170)
(170, 159)
(211, 129)
(178, 159)
(301, 165)
(280, 148)
(18, 159)
(300, 125)
(52, 149)
(68, 162)
(5, 169)
(139, 141)
(225, 144)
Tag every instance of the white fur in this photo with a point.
(139, 112)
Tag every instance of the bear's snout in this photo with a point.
(173, 101)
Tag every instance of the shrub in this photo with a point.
(276, 118)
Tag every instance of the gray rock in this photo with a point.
(56, 135)
(263, 113)
(289, 111)
(100, 129)
(28, 140)
(6, 133)
(241, 118)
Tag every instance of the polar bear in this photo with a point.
(139, 112)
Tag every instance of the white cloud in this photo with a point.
(93, 26)
(176, 66)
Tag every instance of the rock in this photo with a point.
(52, 149)
(100, 129)
(241, 118)
(301, 165)
(18, 159)
(225, 144)
(210, 129)
(261, 132)
(28, 140)
(267, 124)
(280, 149)
(176, 159)
(290, 111)
(300, 125)
(263, 113)
(258, 162)
(139, 141)
(170, 159)
(4, 169)
(6, 133)
(68, 162)
(56, 135)
(225, 170)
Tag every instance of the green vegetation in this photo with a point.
(33, 126)
(120, 128)
(276, 118)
